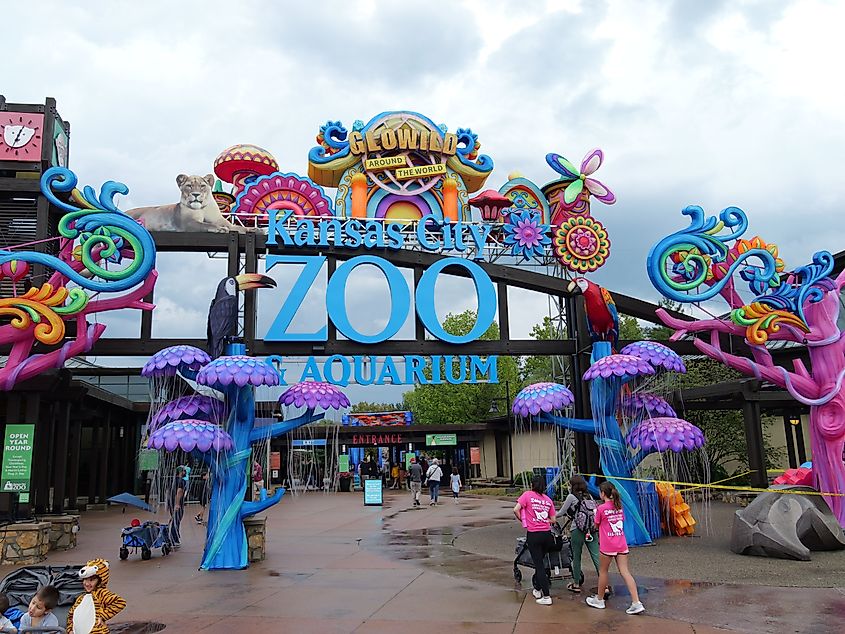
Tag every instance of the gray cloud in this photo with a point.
(711, 103)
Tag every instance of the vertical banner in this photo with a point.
(475, 455)
(17, 460)
(343, 463)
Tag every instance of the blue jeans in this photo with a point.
(433, 490)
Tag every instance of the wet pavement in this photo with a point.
(334, 565)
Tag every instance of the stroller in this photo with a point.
(145, 536)
(558, 563)
(20, 585)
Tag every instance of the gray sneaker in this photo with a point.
(595, 602)
(636, 608)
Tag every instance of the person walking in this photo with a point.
(257, 480)
(433, 477)
(415, 477)
(610, 520)
(580, 507)
(455, 483)
(204, 495)
(176, 506)
(535, 510)
(394, 474)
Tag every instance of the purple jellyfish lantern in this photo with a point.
(623, 366)
(240, 370)
(657, 354)
(665, 434)
(541, 397)
(194, 406)
(645, 406)
(189, 435)
(314, 394)
(170, 360)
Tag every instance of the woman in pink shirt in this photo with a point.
(610, 521)
(536, 511)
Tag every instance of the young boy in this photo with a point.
(95, 578)
(40, 612)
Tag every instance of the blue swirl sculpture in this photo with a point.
(100, 224)
(694, 245)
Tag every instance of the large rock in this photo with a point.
(786, 526)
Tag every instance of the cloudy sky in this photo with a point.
(711, 103)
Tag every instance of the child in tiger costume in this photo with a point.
(95, 578)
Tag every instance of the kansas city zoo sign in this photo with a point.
(401, 182)
(398, 181)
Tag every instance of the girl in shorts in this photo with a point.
(612, 545)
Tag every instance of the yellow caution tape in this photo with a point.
(715, 486)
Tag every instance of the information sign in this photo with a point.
(17, 460)
(372, 492)
(343, 463)
(440, 440)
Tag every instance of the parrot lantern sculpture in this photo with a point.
(602, 317)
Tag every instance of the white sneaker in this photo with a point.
(537, 594)
(636, 608)
(544, 601)
(595, 602)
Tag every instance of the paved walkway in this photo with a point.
(334, 565)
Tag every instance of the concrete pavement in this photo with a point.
(334, 565)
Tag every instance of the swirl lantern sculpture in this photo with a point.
(711, 258)
(221, 433)
(101, 251)
(608, 374)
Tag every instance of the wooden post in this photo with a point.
(790, 441)
(39, 489)
(61, 454)
(75, 443)
(754, 436)
(102, 453)
(250, 299)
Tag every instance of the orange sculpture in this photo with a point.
(675, 517)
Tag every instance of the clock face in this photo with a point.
(22, 136)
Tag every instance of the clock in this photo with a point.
(22, 136)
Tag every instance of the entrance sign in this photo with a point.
(17, 460)
(441, 440)
(377, 439)
(372, 493)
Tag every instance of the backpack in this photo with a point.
(585, 515)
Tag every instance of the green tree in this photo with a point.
(630, 329)
(365, 407)
(662, 333)
(535, 369)
(724, 429)
(467, 402)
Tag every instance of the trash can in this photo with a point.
(346, 483)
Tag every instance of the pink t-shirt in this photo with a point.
(538, 511)
(609, 522)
